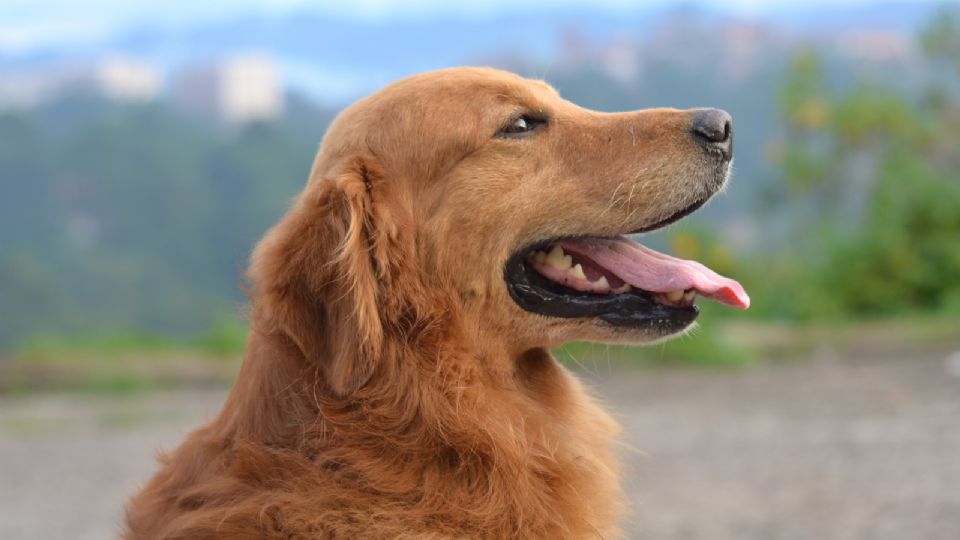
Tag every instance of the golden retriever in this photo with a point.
(397, 381)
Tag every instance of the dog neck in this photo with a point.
(425, 422)
(277, 386)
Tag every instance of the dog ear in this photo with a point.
(319, 276)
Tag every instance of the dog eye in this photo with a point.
(521, 126)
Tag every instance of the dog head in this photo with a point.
(482, 198)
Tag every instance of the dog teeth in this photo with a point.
(624, 288)
(563, 262)
(674, 296)
(689, 296)
(558, 260)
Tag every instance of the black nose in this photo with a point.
(713, 128)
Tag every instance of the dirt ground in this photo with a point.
(864, 445)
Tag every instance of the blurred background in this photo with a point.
(145, 147)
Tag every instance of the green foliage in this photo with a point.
(907, 256)
(136, 216)
(941, 39)
(882, 171)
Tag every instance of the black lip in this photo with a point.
(674, 217)
(636, 309)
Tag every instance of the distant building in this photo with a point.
(114, 77)
(744, 46)
(127, 79)
(621, 60)
(237, 89)
(23, 90)
(878, 46)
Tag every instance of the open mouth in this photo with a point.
(616, 280)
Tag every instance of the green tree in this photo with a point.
(882, 169)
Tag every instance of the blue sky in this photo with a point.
(25, 24)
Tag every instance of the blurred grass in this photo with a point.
(226, 337)
(124, 362)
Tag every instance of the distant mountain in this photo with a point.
(338, 59)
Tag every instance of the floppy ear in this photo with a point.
(318, 276)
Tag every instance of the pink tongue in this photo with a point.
(653, 271)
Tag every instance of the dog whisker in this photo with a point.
(613, 199)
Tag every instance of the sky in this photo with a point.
(26, 24)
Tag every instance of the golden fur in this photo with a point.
(391, 388)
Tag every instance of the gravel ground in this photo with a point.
(864, 446)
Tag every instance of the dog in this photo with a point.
(397, 381)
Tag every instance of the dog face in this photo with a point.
(489, 194)
(538, 202)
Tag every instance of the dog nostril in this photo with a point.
(713, 127)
